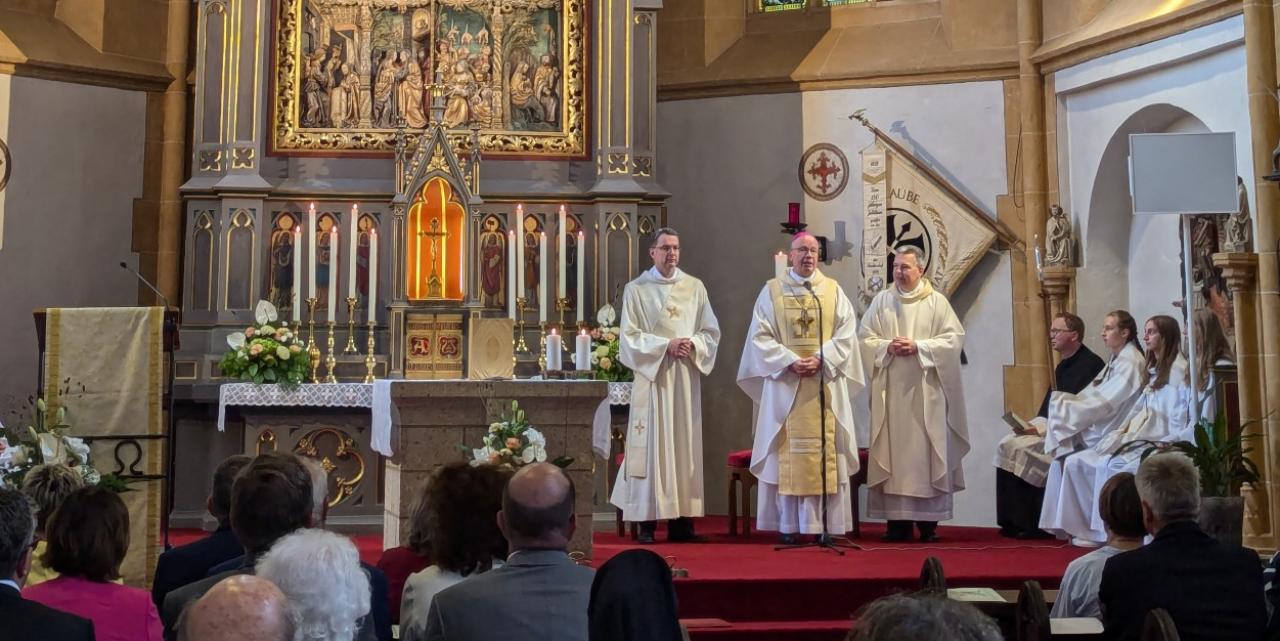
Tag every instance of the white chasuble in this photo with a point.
(786, 454)
(1075, 481)
(919, 433)
(1076, 421)
(661, 477)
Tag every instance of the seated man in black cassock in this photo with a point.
(1021, 461)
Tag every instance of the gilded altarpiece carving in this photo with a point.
(348, 71)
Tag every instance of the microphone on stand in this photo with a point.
(146, 282)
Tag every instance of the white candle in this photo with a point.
(542, 277)
(511, 274)
(562, 290)
(582, 259)
(373, 274)
(351, 250)
(582, 352)
(553, 351)
(313, 242)
(333, 273)
(297, 275)
(779, 265)
(518, 289)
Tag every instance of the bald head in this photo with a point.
(238, 607)
(537, 508)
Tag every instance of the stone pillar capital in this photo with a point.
(1057, 281)
(1239, 268)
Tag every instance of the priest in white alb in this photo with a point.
(668, 338)
(919, 434)
(783, 371)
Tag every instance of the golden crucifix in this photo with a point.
(435, 283)
(805, 321)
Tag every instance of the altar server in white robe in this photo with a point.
(669, 337)
(782, 370)
(1160, 413)
(919, 435)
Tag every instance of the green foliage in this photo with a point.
(1217, 452)
(267, 355)
(605, 364)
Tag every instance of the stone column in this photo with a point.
(172, 149)
(1240, 271)
(1264, 121)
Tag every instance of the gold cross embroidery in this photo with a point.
(804, 322)
(673, 312)
(639, 428)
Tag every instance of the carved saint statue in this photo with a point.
(1058, 239)
(1238, 225)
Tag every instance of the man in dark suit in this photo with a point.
(542, 593)
(27, 620)
(1211, 590)
(191, 562)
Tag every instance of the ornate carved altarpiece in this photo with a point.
(347, 70)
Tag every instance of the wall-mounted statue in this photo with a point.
(1059, 239)
(1238, 227)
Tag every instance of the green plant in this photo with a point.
(266, 353)
(1218, 453)
(513, 441)
(42, 434)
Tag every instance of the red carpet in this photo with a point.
(741, 589)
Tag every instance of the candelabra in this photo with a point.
(521, 347)
(313, 351)
(368, 356)
(351, 327)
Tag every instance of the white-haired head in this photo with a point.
(320, 574)
(319, 489)
(1169, 487)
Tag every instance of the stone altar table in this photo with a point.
(421, 425)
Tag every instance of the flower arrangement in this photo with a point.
(46, 438)
(266, 352)
(512, 441)
(605, 364)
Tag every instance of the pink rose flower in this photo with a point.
(255, 349)
(513, 443)
(248, 332)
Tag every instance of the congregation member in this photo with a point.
(1212, 350)
(23, 619)
(1121, 511)
(88, 537)
(919, 432)
(540, 593)
(401, 562)
(634, 599)
(460, 504)
(1161, 414)
(191, 562)
(921, 617)
(326, 590)
(1211, 590)
(1021, 462)
(669, 338)
(238, 608)
(47, 485)
(788, 369)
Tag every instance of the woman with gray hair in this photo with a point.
(922, 617)
(319, 572)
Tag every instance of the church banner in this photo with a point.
(906, 205)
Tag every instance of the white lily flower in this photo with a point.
(77, 448)
(528, 455)
(236, 341)
(535, 438)
(265, 312)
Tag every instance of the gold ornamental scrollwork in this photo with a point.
(508, 93)
(345, 447)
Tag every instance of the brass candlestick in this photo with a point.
(562, 306)
(542, 348)
(351, 327)
(313, 351)
(368, 356)
(331, 361)
(521, 347)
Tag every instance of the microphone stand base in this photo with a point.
(829, 542)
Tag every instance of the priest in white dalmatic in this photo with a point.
(912, 341)
(1159, 413)
(803, 334)
(668, 338)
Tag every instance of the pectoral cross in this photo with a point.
(804, 322)
(435, 285)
